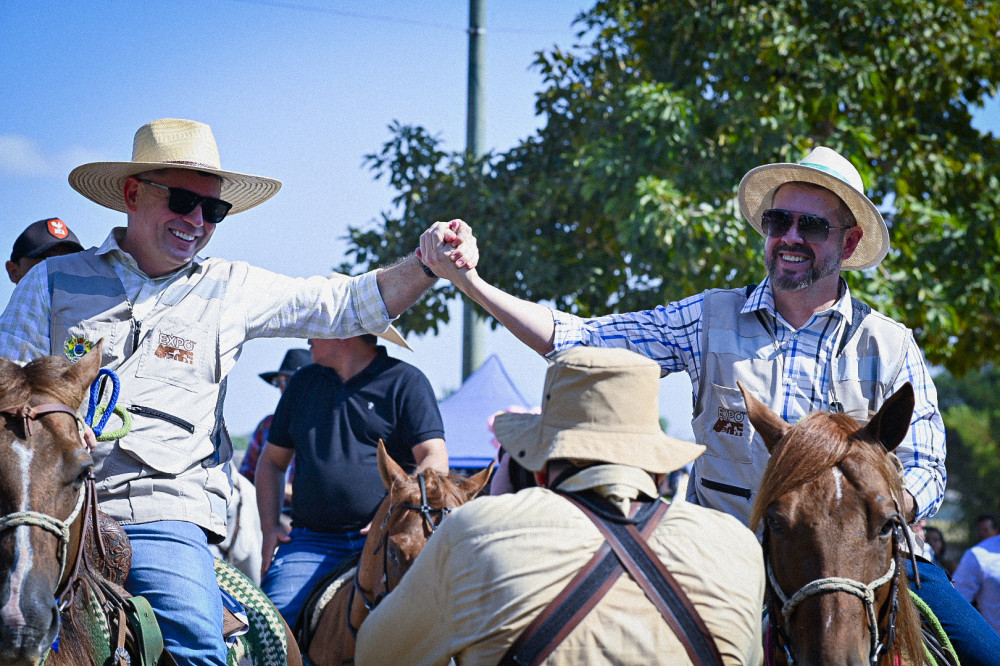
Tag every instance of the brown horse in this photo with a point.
(51, 580)
(831, 503)
(403, 522)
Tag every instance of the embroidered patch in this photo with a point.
(730, 422)
(76, 347)
(176, 348)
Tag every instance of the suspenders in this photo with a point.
(624, 549)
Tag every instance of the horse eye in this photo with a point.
(887, 529)
(774, 525)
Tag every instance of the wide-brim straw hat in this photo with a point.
(171, 143)
(598, 405)
(393, 335)
(826, 168)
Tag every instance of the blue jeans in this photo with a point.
(301, 563)
(173, 568)
(973, 639)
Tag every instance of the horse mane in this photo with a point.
(819, 442)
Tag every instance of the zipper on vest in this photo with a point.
(163, 416)
(136, 332)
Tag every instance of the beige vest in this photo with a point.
(739, 347)
(170, 465)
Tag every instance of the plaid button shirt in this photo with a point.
(671, 336)
(258, 304)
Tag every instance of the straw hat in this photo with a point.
(828, 169)
(170, 143)
(599, 405)
(393, 335)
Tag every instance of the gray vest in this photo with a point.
(169, 466)
(741, 347)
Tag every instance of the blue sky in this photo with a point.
(299, 91)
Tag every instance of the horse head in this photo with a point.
(44, 464)
(831, 502)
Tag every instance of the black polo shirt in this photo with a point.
(334, 428)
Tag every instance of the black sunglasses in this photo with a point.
(775, 222)
(184, 201)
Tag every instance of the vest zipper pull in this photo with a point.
(136, 330)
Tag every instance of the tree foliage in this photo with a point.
(627, 196)
(972, 418)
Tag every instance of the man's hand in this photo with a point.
(448, 246)
(273, 535)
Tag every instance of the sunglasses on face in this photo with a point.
(775, 222)
(184, 201)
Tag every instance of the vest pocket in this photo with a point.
(164, 442)
(178, 352)
(723, 426)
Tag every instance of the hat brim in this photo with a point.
(531, 444)
(102, 183)
(37, 252)
(393, 335)
(756, 194)
(269, 377)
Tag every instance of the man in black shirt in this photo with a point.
(331, 417)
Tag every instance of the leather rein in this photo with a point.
(427, 512)
(865, 592)
(86, 505)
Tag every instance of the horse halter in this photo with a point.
(865, 592)
(60, 528)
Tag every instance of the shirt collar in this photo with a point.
(112, 246)
(762, 298)
(619, 484)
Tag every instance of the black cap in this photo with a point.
(294, 359)
(42, 236)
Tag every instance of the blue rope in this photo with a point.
(95, 389)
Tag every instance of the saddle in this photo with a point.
(113, 559)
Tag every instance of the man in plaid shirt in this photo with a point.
(797, 340)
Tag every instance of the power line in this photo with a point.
(381, 18)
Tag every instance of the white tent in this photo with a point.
(467, 411)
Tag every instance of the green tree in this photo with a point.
(626, 197)
(972, 418)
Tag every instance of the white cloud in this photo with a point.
(21, 156)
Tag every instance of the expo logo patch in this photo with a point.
(731, 422)
(176, 348)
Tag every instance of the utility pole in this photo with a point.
(473, 326)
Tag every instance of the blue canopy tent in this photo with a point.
(467, 411)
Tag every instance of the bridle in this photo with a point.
(427, 512)
(865, 592)
(86, 502)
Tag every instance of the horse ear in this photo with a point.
(770, 426)
(84, 372)
(892, 421)
(472, 485)
(388, 469)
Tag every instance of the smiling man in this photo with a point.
(174, 324)
(797, 339)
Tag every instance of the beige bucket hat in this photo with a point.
(171, 143)
(598, 405)
(826, 168)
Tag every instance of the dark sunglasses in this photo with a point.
(184, 201)
(775, 222)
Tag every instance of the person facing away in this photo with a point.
(173, 324)
(293, 360)
(977, 579)
(39, 241)
(496, 563)
(331, 419)
(797, 339)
